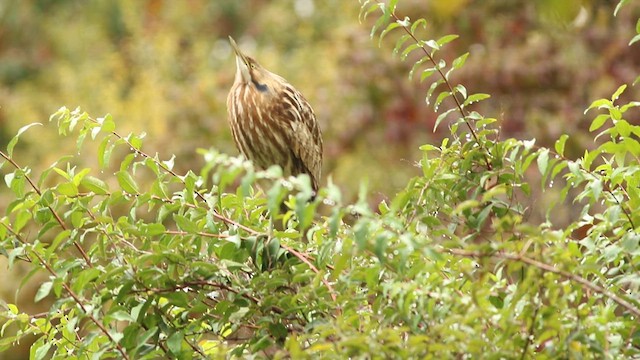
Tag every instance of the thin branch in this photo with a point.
(55, 214)
(73, 295)
(200, 233)
(552, 269)
(218, 215)
(174, 174)
(451, 90)
(305, 260)
(529, 338)
(624, 210)
(598, 177)
(195, 348)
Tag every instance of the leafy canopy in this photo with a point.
(142, 262)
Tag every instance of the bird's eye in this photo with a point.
(253, 66)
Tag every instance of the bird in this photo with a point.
(271, 121)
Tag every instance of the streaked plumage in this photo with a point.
(271, 122)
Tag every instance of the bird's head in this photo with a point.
(250, 72)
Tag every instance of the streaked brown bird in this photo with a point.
(271, 122)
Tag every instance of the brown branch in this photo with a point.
(193, 346)
(55, 214)
(624, 210)
(174, 174)
(215, 213)
(203, 283)
(305, 260)
(596, 175)
(200, 233)
(552, 269)
(451, 90)
(218, 215)
(529, 338)
(73, 295)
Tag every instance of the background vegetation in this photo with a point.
(464, 249)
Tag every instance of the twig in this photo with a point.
(550, 268)
(305, 260)
(200, 233)
(532, 328)
(218, 215)
(55, 214)
(73, 295)
(174, 174)
(451, 90)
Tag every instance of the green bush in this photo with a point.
(142, 262)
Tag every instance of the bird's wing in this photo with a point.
(305, 138)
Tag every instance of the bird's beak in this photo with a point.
(242, 63)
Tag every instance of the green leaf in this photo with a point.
(22, 218)
(596, 188)
(389, 28)
(278, 331)
(67, 189)
(618, 92)
(135, 141)
(443, 95)
(95, 185)
(43, 215)
(427, 73)
(543, 161)
(459, 61)
(497, 302)
(598, 122)
(62, 173)
(400, 42)
(589, 157)
(600, 103)
(432, 88)
(621, 3)
(80, 175)
(154, 229)
(392, 6)
(41, 351)
(83, 278)
(179, 299)
(382, 20)
(8, 178)
(43, 291)
(447, 39)
(63, 235)
(432, 44)
(185, 224)
(473, 98)
(420, 22)
(104, 151)
(238, 315)
(615, 113)
(461, 90)
(417, 66)
(408, 50)
(559, 146)
(441, 117)
(13, 309)
(121, 315)
(174, 342)
(127, 183)
(16, 182)
(60, 115)
(14, 140)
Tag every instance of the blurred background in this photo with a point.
(164, 68)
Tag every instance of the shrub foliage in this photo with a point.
(141, 261)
